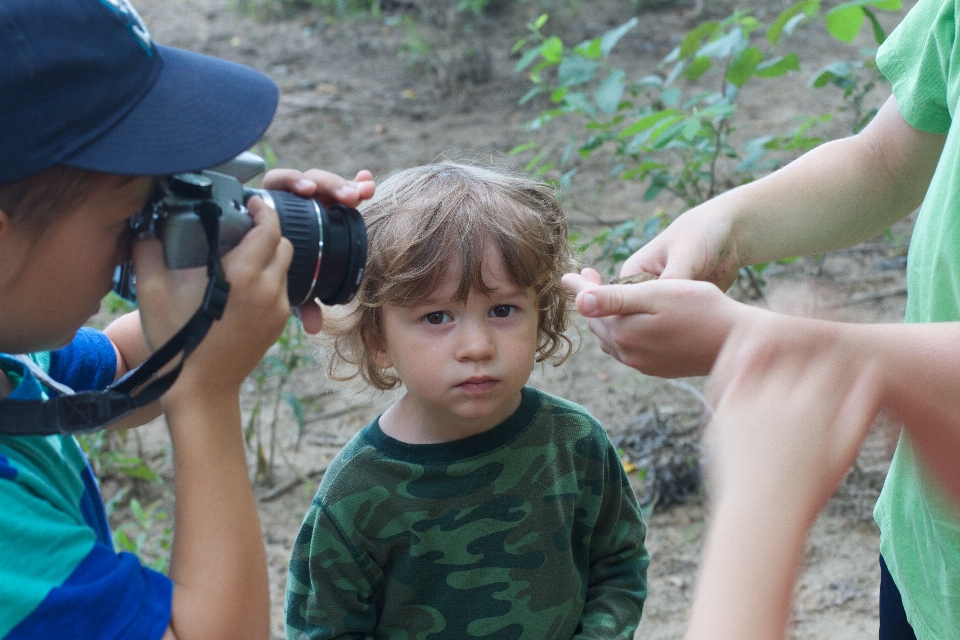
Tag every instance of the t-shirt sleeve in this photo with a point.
(57, 580)
(88, 362)
(617, 587)
(916, 59)
(330, 589)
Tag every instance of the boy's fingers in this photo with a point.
(595, 300)
(325, 186)
(260, 244)
(613, 300)
(148, 258)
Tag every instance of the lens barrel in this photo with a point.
(329, 248)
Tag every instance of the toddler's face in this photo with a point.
(52, 280)
(463, 363)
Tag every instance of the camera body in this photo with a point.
(330, 243)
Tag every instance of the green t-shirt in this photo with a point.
(530, 530)
(919, 526)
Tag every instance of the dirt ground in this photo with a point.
(351, 99)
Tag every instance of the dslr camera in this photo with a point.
(329, 243)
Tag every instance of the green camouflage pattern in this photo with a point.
(530, 530)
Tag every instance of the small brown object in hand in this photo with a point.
(634, 279)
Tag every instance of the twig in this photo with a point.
(692, 390)
(292, 483)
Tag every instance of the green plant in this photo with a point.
(271, 379)
(107, 451)
(147, 534)
(856, 78)
(672, 130)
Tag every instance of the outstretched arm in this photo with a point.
(787, 426)
(793, 400)
(834, 196)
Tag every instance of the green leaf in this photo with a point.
(610, 39)
(641, 170)
(530, 94)
(725, 46)
(836, 69)
(576, 70)
(559, 94)
(590, 49)
(699, 66)
(608, 94)
(671, 97)
(527, 58)
(844, 21)
(648, 121)
(520, 148)
(579, 102)
(743, 66)
(691, 41)
(552, 50)
(878, 33)
(776, 67)
(691, 128)
(294, 403)
(542, 20)
(790, 16)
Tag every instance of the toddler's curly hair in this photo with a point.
(425, 220)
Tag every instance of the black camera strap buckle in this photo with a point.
(92, 410)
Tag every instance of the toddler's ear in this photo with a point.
(377, 351)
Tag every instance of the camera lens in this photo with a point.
(329, 248)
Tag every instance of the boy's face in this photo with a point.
(53, 279)
(463, 364)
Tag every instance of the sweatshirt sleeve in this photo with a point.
(617, 586)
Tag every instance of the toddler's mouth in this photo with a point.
(477, 384)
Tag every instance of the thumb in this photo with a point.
(614, 300)
(148, 261)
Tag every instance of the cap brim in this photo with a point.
(201, 112)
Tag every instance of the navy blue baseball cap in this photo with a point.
(83, 84)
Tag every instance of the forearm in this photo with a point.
(747, 573)
(837, 195)
(218, 563)
(126, 334)
(921, 382)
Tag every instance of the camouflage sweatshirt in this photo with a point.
(529, 530)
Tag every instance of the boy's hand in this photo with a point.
(792, 407)
(256, 310)
(666, 328)
(698, 245)
(328, 188)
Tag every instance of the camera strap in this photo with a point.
(92, 410)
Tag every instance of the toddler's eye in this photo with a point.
(502, 310)
(436, 317)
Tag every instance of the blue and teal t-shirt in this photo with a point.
(59, 573)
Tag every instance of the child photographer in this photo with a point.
(475, 505)
(90, 111)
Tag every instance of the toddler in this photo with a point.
(475, 506)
